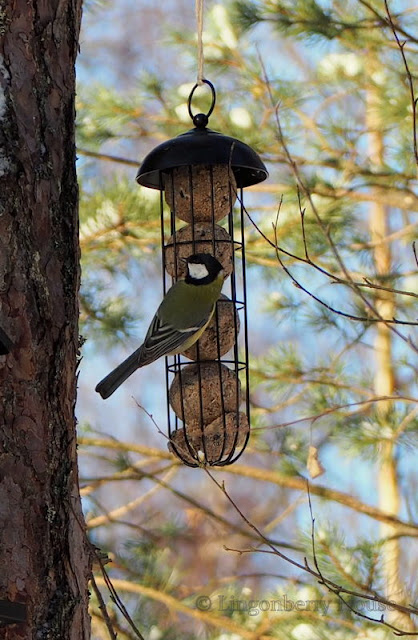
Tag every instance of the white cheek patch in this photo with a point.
(198, 271)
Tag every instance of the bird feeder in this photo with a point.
(201, 175)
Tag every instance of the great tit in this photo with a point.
(181, 318)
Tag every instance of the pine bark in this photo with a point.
(43, 556)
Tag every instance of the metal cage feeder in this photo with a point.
(201, 175)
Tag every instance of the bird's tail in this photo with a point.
(118, 376)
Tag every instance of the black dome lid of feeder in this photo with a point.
(202, 146)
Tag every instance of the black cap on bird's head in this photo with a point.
(202, 268)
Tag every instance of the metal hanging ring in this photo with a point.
(200, 120)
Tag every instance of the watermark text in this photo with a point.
(253, 607)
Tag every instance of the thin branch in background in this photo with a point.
(312, 534)
(308, 261)
(100, 560)
(197, 504)
(298, 285)
(414, 100)
(267, 475)
(118, 602)
(121, 632)
(150, 416)
(325, 228)
(175, 605)
(414, 249)
(371, 285)
(326, 231)
(329, 584)
(259, 534)
(302, 218)
(334, 279)
(106, 156)
(116, 514)
(103, 609)
(92, 483)
(383, 21)
(317, 416)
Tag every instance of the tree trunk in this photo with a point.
(43, 555)
(384, 385)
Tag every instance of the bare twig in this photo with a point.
(376, 316)
(118, 602)
(265, 475)
(317, 416)
(302, 218)
(329, 584)
(150, 416)
(338, 590)
(325, 304)
(115, 514)
(401, 46)
(175, 604)
(383, 22)
(308, 261)
(106, 156)
(103, 609)
(120, 631)
(334, 279)
(113, 594)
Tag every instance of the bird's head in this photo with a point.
(202, 268)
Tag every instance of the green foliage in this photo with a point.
(303, 18)
(119, 223)
(120, 215)
(306, 18)
(105, 114)
(149, 561)
(364, 436)
(246, 14)
(103, 316)
(353, 566)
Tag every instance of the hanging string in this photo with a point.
(199, 22)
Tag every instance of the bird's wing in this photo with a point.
(163, 339)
